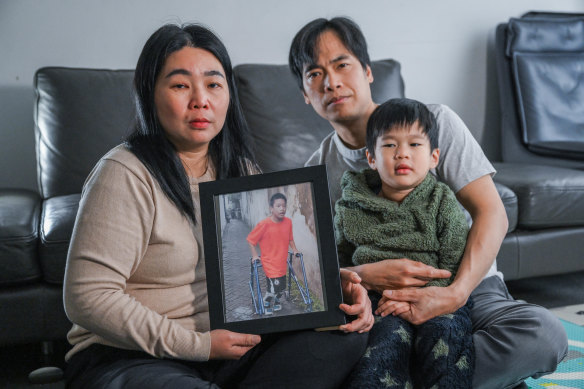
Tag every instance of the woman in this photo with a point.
(135, 284)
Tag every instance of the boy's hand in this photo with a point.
(359, 304)
(254, 259)
(231, 345)
(390, 307)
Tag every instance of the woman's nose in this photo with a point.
(199, 100)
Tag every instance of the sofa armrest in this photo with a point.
(19, 220)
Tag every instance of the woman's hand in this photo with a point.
(359, 304)
(397, 274)
(231, 345)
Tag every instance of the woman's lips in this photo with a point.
(199, 123)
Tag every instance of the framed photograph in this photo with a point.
(270, 253)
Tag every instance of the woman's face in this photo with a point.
(191, 96)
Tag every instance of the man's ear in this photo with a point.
(369, 74)
(434, 158)
(306, 100)
(370, 160)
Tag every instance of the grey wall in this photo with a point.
(445, 48)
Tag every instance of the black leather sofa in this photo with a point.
(82, 113)
(540, 68)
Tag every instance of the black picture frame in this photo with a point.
(230, 208)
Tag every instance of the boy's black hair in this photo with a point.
(303, 49)
(277, 196)
(398, 113)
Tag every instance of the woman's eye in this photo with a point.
(214, 85)
(179, 86)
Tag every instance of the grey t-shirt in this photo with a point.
(461, 158)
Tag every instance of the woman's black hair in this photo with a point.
(303, 50)
(229, 151)
(395, 113)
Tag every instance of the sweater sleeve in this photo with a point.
(111, 236)
(452, 231)
(345, 249)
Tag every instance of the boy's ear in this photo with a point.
(370, 160)
(434, 158)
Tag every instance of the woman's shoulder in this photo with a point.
(119, 162)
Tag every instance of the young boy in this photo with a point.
(274, 235)
(396, 210)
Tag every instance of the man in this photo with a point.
(513, 340)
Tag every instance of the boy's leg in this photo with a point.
(444, 352)
(279, 287)
(513, 340)
(387, 358)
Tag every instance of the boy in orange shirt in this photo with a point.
(274, 235)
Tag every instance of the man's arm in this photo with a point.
(482, 201)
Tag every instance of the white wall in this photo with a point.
(445, 48)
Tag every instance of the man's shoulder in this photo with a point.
(319, 156)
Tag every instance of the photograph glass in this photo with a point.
(269, 252)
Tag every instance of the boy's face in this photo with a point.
(403, 157)
(337, 86)
(279, 209)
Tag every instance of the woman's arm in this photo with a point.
(110, 238)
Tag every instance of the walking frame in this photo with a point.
(254, 284)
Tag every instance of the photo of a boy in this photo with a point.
(397, 209)
(275, 237)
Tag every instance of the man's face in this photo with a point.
(279, 209)
(337, 86)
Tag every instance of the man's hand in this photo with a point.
(359, 303)
(427, 303)
(397, 274)
(231, 345)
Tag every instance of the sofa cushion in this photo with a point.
(509, 199)
(547, 196)
(19, 220)
(547, 57)
(285, 130)
(79, 114)
(57, 221)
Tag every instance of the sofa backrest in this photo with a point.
(540, 65)
(79, 115)
(285, 130)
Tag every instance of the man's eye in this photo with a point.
(343, 65)
(312, 75)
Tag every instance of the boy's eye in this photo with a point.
(389, 145)
(415, 144)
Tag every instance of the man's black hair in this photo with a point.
(395, 113)
(303, 50)
(277, 196)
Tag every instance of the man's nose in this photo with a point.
(332, 81)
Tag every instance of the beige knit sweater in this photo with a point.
(135, 276)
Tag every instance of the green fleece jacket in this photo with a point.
(427, 226)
